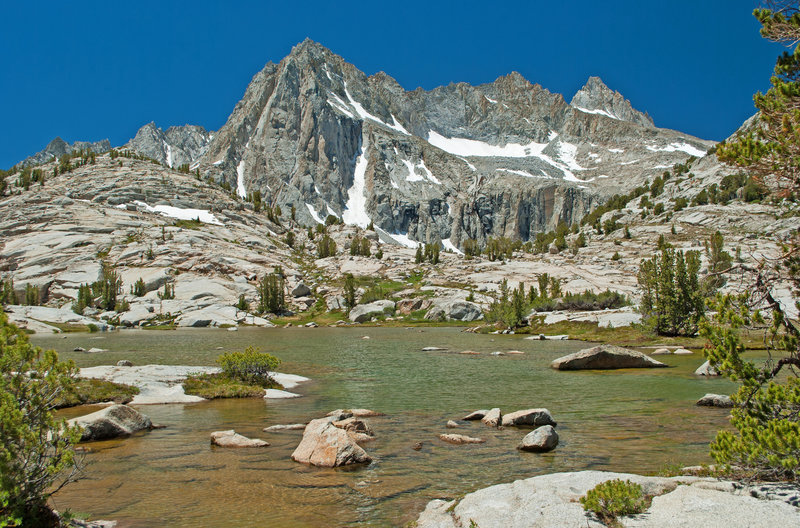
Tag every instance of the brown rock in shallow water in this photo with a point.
(460, 439)
(540, 440)
(231, 438)
(112, 422)
(493, 418)
(326, 445)
(605, 357)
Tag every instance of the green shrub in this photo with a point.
(608, 500)
(250, 366)
(37, 455)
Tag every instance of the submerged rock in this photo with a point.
(112, 422)
(535, 417)
(231, 438)
(604, 357)
(715, 400)
(540, 440)
(451, 424)
(284, 427)
(460, 439)
(476, 415)
(326, 445)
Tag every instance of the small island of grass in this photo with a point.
(244, 375)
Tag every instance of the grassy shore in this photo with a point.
(88, 391)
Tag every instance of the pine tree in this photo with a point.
(766, 440)
(672, 301)
(349, 292)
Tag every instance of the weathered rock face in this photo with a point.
(111, 422)
(326, 445)
(451, 310)
(539, 440)
(605, 357)
(182, 145)
(231, 438)
(58, 147)
(507, 158)
(364, 312)
(535, 417)
(597, 98)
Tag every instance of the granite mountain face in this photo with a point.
(507, 158)
(58, 147)
(179, 145)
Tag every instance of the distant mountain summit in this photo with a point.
(507, 158)
(179, 145)
(597, 98)
(58, 147)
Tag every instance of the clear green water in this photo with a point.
(629, 420)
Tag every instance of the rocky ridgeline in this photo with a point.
(58, 147)
(507, 158)
(178, 146)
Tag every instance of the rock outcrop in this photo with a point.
(364, 312)
(604, 357)
(112, 422)
(706, 370)
(553, 501)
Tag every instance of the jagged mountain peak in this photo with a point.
(57, 147)
(179, 145)
(597, 98)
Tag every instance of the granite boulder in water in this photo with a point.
(605, 357)
(326, 445)
(112, 422)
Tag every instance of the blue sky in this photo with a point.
(94, 70)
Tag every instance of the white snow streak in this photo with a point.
(470, 165)
(523, 173)
(402, 239)
(362, 112)
(598, 111)
(240, 189)
(471, 147)
(356, 207)
(677, 146)
(314, 214)
(616, 150)
(450, 246)
(179, 213)
(490, 99)
(424, 174)
(331, 211)
(169, 154)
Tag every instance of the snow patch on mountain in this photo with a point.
(356, 207)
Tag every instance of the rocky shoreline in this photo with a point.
(552, 501)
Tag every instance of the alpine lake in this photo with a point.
(633, 420)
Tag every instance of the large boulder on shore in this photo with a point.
(540, 440)
(111, 422)
(604, 357)
(454, 310)
(551, 501)
(364, 312)
(535, 417)
(326, 445)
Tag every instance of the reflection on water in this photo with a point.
(633, 420)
